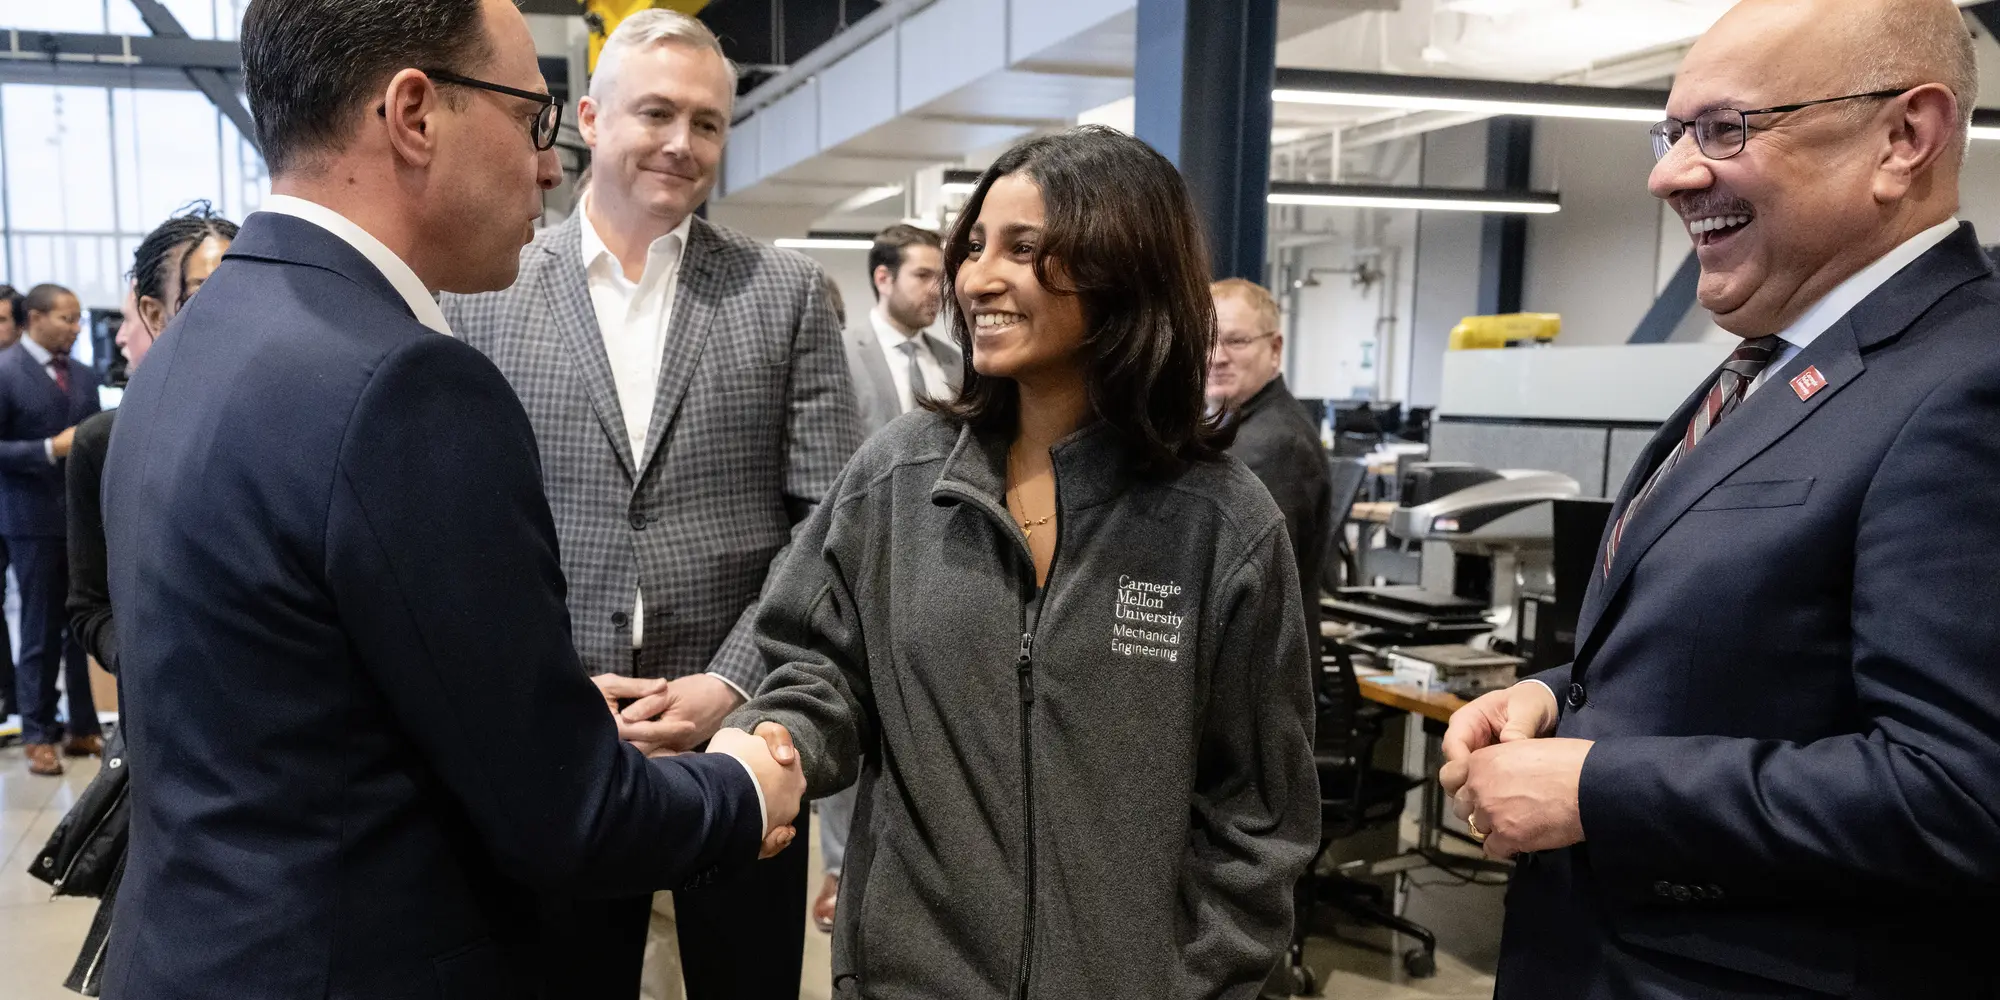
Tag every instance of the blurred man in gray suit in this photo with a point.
(691, 404)
(894, 356)
(895, 359)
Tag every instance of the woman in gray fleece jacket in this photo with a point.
(1053, 630)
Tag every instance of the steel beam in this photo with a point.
(219, 90)
(1503, 239)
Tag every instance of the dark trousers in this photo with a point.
(42, 567)
(741, 938)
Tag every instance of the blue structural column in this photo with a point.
(1202, 97)
(1503, 239)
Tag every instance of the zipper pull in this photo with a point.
(1025, 666)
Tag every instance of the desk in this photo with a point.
(1372, 511)
(1435, 706)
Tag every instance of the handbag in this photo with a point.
(89, 844)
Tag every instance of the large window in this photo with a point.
(85, 172)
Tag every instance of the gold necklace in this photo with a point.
(1028, 527)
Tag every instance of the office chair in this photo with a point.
(1345, 477)
(1353, 796)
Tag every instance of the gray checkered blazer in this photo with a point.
(755, 417)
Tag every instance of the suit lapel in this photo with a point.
(949, 360)
(567, 287)
(705, 274)
(881, 401)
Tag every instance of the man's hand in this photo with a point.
(775, 764)
(1525, 711)
(59, 445)
(681, 715)
(1520, 795)
(616, 689)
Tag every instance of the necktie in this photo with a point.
(59, 364)
(1730, 384)
(918, 390)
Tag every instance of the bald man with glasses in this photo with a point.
(1773, 769)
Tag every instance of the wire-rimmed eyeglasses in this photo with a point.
(1720, 133)
(545, 123)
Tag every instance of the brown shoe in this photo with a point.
(84, 746)
(829, 895)
(42, 760)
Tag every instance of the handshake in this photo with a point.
(663, 718)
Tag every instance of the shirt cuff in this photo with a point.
(733, 686)
(49, 449)
(763, 811)
(1545, 687)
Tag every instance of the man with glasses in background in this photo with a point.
(1773, 769)
(1274, 437)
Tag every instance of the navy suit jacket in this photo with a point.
(1792, 674)
(358, 731)
(32, 410)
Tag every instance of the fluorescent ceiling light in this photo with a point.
(1985, 131)
(1422, 199)
(958, 187)
(1411, 102)
(868, 197)
(824, 243)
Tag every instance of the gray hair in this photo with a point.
(650, 27)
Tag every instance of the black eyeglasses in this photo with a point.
(545, 123)
(1721, 133)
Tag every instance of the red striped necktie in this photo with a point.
(59, 364)
(1730, 386)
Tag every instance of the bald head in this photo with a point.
(1848, 47)
(1782, 206)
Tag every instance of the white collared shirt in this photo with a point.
(42, 356)
(891, 340)
(632, 317)
(1821, 316)
(422, 303)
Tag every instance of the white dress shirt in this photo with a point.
(891, 340)
(43, 356)
(422, 303)
(1837, 303)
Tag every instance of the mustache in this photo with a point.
(1709, 203)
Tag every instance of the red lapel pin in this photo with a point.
(1809, 382)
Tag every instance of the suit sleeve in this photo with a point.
(18, 454)
(809, 629)
(441, 559)
(1255, 807)
(822, 430)
(89, 602)
(1905, 807)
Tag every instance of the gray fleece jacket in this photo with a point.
(1104, 787)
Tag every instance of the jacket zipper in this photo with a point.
(1025, 669)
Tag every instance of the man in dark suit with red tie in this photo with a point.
(1773, 769)
(42, 399)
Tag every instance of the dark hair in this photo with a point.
(16, 304)
(1133, 252)
(311, 66)
(890, 245)
(165, 250)
(41, 299)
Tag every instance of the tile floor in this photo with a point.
(39, 936)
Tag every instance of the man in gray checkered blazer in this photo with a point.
(691, 399)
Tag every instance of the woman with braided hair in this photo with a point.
(170, 265)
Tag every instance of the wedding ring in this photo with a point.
(1472, 823)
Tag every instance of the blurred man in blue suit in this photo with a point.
(42, 399)
(359, 733)
(1773, 769)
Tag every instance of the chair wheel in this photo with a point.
(1420, 964)
(1304, 983)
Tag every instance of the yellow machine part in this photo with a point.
(1475, 333)
(610, 12)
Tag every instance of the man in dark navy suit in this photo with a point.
(358, 729)
(1774, 770)
(42, 399)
